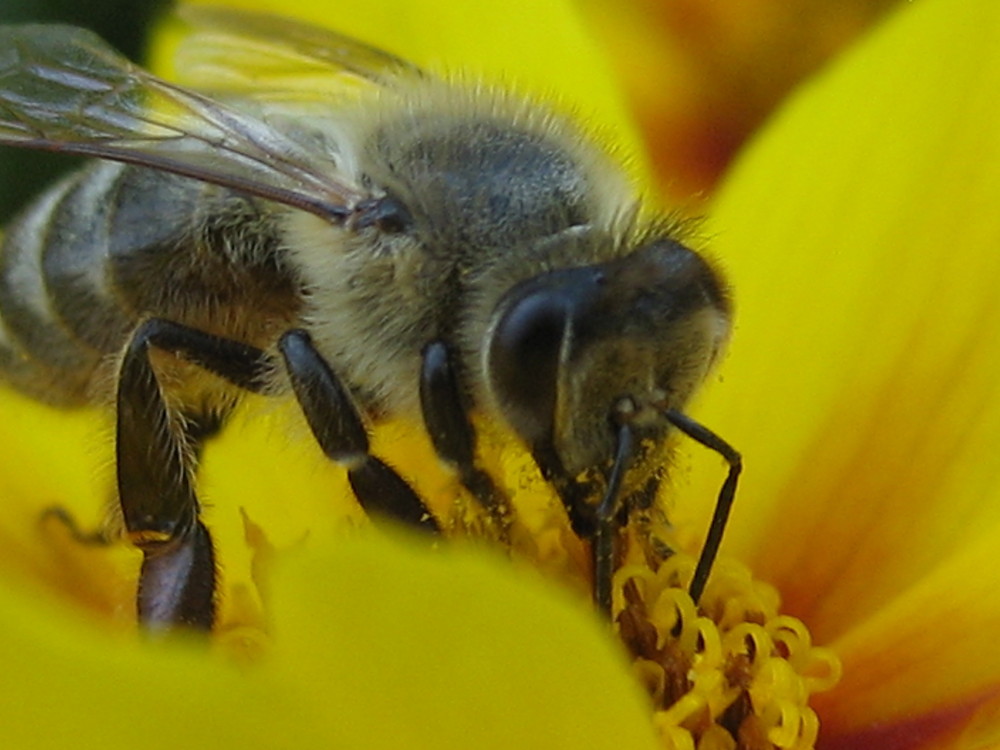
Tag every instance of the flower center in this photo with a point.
(730, 673)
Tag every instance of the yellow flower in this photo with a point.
(860, 232)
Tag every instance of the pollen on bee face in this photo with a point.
(730, 673)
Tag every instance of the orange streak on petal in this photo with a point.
(894, 480)
(930, 650)
(940, 730)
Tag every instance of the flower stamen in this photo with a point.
(730, 674)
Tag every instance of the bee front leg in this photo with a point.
(340, 432)
(450, 430)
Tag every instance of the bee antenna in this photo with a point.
(701, 434)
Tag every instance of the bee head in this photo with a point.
(573, 353)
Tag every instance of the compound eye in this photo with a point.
(524, 363)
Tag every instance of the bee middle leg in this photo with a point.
(341, 434)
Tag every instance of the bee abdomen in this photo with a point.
(39, 352)
(114, 244)
(74, 260)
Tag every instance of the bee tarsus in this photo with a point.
(96, 538)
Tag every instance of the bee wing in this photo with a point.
(64, 89)
(263, 55)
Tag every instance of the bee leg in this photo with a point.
(340, 432)
(197, 428)
(177, 584)
(451, 432)
(158, 501)
(608, 522)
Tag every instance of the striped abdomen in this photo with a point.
(111, 245)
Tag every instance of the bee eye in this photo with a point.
(524, 355)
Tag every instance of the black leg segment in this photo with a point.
(177, 582)
(340, 432)
(155, 475)
(241, 364)
(447, 421)
(155, 478)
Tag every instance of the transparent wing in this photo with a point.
(64, 89)
(268, 56)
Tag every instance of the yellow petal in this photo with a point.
(59, 459)
(449, 649)
(67, 686)
(703, 77)
(379, 645)
(861, 235)
(927, 660)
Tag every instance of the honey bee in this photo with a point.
(402, 245)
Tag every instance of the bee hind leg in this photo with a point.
(340, 432)
(156, 464)
(156, 453)
(158, 501)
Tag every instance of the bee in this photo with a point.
(394, 244)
